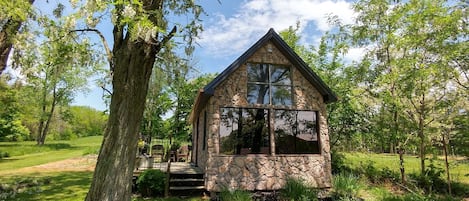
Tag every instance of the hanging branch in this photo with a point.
(103, 40)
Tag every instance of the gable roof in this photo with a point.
(208, 91)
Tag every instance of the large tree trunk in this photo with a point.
(113, 174)
(9, 29)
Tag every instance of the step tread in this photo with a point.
(188, 179)
(186, 187)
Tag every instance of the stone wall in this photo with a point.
(261, 172)
(264, 172)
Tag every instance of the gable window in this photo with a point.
(269, 84)
(244, 131)
(296, 132)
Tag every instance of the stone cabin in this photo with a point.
(263, 120)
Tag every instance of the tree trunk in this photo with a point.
(421, 134)
(43, 112)
(445, 150)
(9, 29)
(401, 151)
(112, 178)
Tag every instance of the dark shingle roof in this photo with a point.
(313, 78)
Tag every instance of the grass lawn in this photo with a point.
(459, 168)
(26, 154)
(58, 184)
(52, 184)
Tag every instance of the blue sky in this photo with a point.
(232, 26)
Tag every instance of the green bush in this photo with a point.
(236, 195)
(298, 190)
(338, 163)
(346, 187)
(376, 176)
(431, 181)
(151, 183)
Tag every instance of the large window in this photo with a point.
(296, 132)
(269, 84)
(244, 131)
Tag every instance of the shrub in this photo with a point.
(431, 181)
(376, 176)
(346, 187)
(338, 163)
(298, 190)
(236, 195)
(151, 183)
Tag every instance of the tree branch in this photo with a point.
(166, 39)
(106, 90)
(105, 44)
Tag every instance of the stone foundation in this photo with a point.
(261, 172)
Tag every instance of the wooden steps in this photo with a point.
(186, 184)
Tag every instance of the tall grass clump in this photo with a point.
(346, 187)
(298, 190)
(235, 195)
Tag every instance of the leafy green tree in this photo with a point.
(86, 121)
(141, 30)
(57, 68)
(158, 104)
(185, 93)
(406, 67)
(11, 128)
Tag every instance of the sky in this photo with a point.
(232, 26)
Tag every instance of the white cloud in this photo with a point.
(227, 35)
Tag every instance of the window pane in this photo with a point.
(296, 132)
(258, 73)
(258, 93)
(255, 132)
(281, 95)
(248, 134)
(228, 130)
(280, 75)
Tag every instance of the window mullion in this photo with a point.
(269, 82)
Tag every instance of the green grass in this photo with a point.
(52, 186)
(26, 154)
(62, 185)
(459, 169)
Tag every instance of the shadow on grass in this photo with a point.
(61, 186)
(6, 160)
(59, 146)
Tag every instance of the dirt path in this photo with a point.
(84, 163)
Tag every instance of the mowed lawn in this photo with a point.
(20, 169)
(26, 154)
(46, 184)
(459, 166)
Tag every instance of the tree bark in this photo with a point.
(9, 29)
(401, 152)
(421, 134)
(445, 150)
(113, 174)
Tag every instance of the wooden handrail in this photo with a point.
(168, 175)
